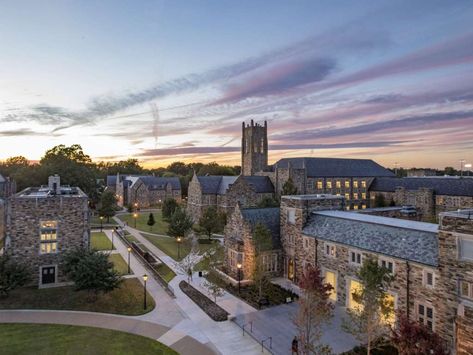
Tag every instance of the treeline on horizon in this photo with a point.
(77, 169)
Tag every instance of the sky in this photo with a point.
(162, 81)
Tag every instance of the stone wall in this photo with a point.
(241, 192)
(23, 229)
(254, 148)
(2, 220)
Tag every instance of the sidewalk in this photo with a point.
(226, 336)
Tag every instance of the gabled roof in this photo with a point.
(336, 167)
(261, 184)
(408, 240)
(159, 183)
(215, 184)
(450, 186)
(266, 216)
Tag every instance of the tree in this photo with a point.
(379, 200)
(213, 288)
(169, 206)
(369, 320)
(211, 222)
(179, 224)
(187, 264)
(91, 270)
(289, 188)
(315, 309)
(414, 338)
(151, 222)
(108, 205)
(267, 202)
(262, 241)
(12, 275)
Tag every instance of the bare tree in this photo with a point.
(186, 265)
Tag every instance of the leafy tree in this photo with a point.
(129, 208)
(368, 321)
(262, 241)
(91, 270)
(267, 202)
(169, 206)
(151, 222)
(210, 222)
(289, 188)
(450, 171)
(379, 200)
(12, 275)
(414, 338)
(108, 205)
(179, 224)
(315, 309)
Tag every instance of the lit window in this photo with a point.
(355, 207)
(347, 184)
(48, 237)
(234, 258)
(338, 184)
(331, 279)
(270, 262)
(320, 185)
(330, 250)
(389, 305)
(363, 206)
(329, 184)
(355, 184)
(347, 208)
(363, 195)
(466, 289)
(425, 315)
(347, 196)
(388, 264)
(291, 216)
(356, 258)
(354, 287)
(363, 184)
(428, 278)
(355, 196)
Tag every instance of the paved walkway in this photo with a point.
(225, 336)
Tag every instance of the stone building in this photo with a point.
(430, 195)
(224, 192)
(239, 246)
(42, 224)
(144, 190)
(7, 187)
(254, 148)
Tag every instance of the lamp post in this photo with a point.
(469, 168)
(113, 235)
(136, 206)
(129, 251)
(178, 240)
(239, 276)
(101, 223)
(145, 278)
(462, 161)
(135, 216)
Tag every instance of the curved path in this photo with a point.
(185, 345)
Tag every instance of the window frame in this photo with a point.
(425, 278)
(330, 245)
(291, 216)
(463, 237)
(356, 252)
(425, 318)
(387, 261)
(51, 239)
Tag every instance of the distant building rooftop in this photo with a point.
(408, 240)
(45, 191)
(468, 213)
(313, 197)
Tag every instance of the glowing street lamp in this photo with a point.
(129, 251)
(145, 278)
(101, 223)
(239, 276)
(178, 240)
(135, 216)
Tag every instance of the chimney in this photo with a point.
(54, 184)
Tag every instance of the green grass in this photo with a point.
(161, 226)
(99, 241)
(126, 300)
(169, 246)
(165, 272)
(119, 264)
(52, 339)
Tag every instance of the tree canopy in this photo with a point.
(12, 274)
(179, 224)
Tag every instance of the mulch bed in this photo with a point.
(212, 309)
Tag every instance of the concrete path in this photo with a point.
(183, 345)
(226, 336)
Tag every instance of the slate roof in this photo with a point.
(215, 184)
(261, 184)
(268, 217)
(336, 167)
(450, 186)
(408, 240)
(159, 183)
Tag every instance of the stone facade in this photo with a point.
(254, 148)
(42, 226)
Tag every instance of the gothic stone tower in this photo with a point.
(254, 148)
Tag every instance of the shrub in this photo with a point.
(213, 310)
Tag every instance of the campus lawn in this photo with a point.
(169, 246)
(119, 264)
(52, 339)
(99, 241)
(160, 227)
(126, 300)
(165, 272)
